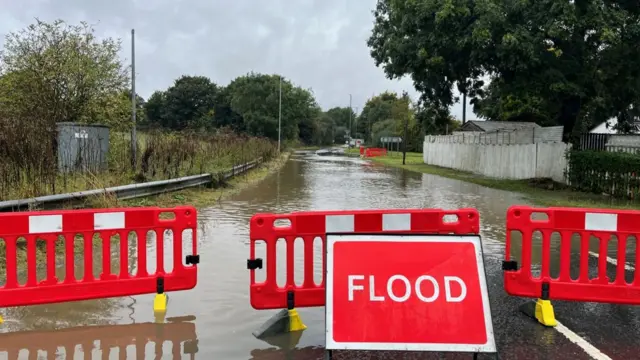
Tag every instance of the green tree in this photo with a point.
(255, 97)
(155, 109)
(189, 103)
(434, 120)
(56, 72)
(224, 115)
(308, 131)
(343, 117)
(386, 106)
(327, 130)
(116, 111)
(580, 58)
(501, 102)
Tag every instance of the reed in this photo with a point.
(29, 157)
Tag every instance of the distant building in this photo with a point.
(495, 126)
(607, 127)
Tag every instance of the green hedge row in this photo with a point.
(613, 173)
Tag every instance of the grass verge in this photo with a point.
(539, 192)
(200, 197)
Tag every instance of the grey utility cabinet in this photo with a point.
(82, 147)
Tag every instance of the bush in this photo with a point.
(30, 164)
(27, 157)
(613, 173)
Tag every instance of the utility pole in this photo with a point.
(279, 113)
(350, 110)
(134, 138)
(464, 107)
(404, 141)
(356, 122)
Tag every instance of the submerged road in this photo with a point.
(221, 319)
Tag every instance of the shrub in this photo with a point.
(29, 166)
(613, 173)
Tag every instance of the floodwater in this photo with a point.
(215, 320)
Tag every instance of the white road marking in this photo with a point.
(577, 339)
(582, 343)
(612, 261)
(591, 350)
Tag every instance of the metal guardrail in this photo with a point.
(125, 192)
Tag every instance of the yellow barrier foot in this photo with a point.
(160, 302)
(544, 313)
(295, 322)
(541, 311)
(1, 319)
(284, 321)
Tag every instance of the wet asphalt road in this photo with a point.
(221, 319)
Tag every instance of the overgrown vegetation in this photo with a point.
(604, 172)
(30, 166)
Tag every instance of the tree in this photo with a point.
(155, 109)
(115, 110)
(435, 121)
(58, 72)
(386, 106)
(224, 115)
(501, 102)
(343, 117)
(579, 57)
(327, 130)
(308, 131)
(189, 103)
(255, 97)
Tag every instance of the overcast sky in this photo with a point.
(317, 44)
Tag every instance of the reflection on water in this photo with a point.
(175, 339)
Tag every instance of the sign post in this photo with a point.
(407, 292)
(390, 140)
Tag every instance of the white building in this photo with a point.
(607, 127)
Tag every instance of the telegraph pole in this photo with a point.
(356, 122)
(464, 108)
(350, 110)
(134, 139)
(404, 141)
(279, 112)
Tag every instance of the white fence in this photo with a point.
(515, 161)
(623, 143)
(521, 136)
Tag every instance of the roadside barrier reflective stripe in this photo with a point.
(316, 224)
(117, 228)
(600, 223)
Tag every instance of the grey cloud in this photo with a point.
(317, 44)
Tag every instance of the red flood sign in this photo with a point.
(407, 292)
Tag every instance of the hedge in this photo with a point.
(613, 173)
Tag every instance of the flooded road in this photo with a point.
(222, 319)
